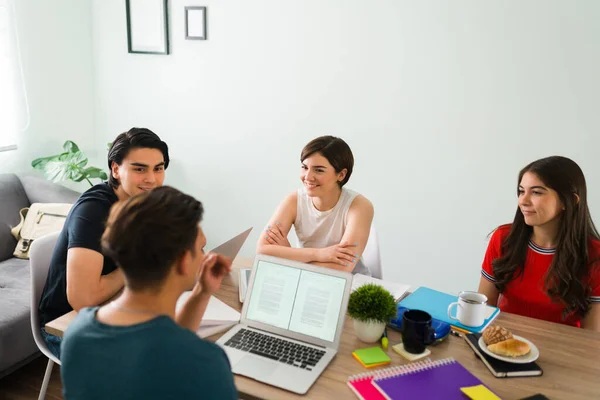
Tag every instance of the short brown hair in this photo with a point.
(147, 233)
(134, 138)
(335, 150)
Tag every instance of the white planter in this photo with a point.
(369, 332)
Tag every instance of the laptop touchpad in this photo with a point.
(255, 367)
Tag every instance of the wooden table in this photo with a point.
(570, 357)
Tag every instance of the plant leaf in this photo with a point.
(70, 147)
(93, 172)
(79, 159)
(68, 165)
(56, 171)
(40, 163)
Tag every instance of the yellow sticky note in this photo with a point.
(479, 392)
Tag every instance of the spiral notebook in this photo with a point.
(426, 379)
(363, 388)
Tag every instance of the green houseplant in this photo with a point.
(68, 165)
(371, 307)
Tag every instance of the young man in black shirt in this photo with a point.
(79, 275)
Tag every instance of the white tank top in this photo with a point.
(318, 229)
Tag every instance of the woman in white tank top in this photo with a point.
(332, 223)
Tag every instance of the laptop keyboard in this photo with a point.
(276, 349)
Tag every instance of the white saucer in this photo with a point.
(533, 354)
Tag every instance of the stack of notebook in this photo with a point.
(443, 379)
(436, 304)
(217, 317)
(371, 357)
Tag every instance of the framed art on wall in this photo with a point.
(147, 26)
(195, 23)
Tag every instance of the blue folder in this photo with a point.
(436, 303)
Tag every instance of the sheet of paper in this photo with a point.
(217, 312)
(209, 330)
(396, 289)
(479, 392)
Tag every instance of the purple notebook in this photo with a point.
(440, 379)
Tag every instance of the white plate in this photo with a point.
(533, 354)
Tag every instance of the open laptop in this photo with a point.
(291, 323)
(232, 247)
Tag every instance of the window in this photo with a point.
(9, 79)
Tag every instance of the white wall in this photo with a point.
(442, 103)
(56, 49)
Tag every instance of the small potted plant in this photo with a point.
(371, 307)
(68, 165)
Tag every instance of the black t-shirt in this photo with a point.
(83, 228)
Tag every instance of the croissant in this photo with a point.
(510, 348)
(494, 334)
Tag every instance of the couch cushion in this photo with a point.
(16, 339)
(12, 199)
(40, 190)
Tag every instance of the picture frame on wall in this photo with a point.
(195, 23)
(147, 26)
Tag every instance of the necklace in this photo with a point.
(132, 310)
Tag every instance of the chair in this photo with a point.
(371, 257)
(39, 257)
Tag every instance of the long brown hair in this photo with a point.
(571, 265)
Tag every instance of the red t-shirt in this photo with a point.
(526, 294)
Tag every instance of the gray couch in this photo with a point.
(16, 341)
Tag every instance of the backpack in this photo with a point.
(36, 221)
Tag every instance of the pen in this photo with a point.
(455, 333)
(461, 330)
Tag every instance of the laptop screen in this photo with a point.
(297, 300)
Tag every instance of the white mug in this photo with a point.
(471, 308)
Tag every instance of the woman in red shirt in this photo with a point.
(546, 264)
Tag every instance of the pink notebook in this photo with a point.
(363, 388)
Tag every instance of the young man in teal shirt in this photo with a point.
(138, 347)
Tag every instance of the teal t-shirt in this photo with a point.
(156, 359)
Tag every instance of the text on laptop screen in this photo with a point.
(301, 301)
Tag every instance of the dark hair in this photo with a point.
(335, 150)
(133, 139)
(147, 233)
(571, 264)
